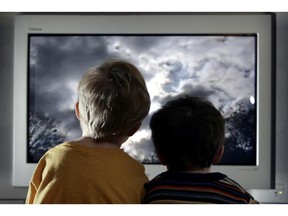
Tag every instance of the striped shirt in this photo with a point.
(213, 188)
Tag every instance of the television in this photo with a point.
(223, 57)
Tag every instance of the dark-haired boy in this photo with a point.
(189, 135)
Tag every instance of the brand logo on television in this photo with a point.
(35, 29)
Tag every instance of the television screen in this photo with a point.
(221, 68)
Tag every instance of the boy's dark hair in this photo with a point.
(187, 133)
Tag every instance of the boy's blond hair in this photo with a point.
(113, 99)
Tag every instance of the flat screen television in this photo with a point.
(225, 58)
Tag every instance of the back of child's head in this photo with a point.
(187, 133)
(113, 98)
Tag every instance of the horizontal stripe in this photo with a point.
(182, 187)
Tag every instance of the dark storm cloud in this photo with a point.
(67, 56)
(52, 99)
(57, 62)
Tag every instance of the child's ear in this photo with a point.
(77, 112)
(219, 155)
(133, 130)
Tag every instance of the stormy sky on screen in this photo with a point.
(218, 68)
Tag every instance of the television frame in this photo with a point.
(194, 23)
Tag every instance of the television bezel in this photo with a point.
(259, 23)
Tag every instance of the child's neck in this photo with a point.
(90, 142)
(196, 170)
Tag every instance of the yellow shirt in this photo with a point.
(71, 173)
